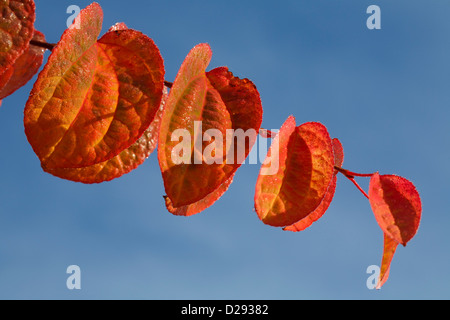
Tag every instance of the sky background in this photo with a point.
(384, 93)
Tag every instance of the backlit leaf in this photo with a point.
(318, 213)
(306, 169)
(198, 103)
(390, 246)
(23, 69)
(325, 204)
(121, 164)
(396, 205)
(338, 151)
(5, 76)
(199, 206)
(16, 29)
(94, 98)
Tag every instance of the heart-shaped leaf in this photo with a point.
(204, 107)
(305, 172)
(23, 69)
(123, 163)
(325, 204)
(94, 98)
(396, 205)
(16, 30)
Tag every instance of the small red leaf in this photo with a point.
(16, 30)
(23, 69)
(94, 98)
(396, 205)
(390, 246)
(199, 206)
(305, 172)
(338, 151)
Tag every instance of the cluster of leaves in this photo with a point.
(101, 106)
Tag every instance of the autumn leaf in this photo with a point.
(200, 103)
(390, 246)
(4, 78)
(396, 205)
(338, 151)
(94, 98)
(306, 222)
(199, 206)
(123, 163)
(16, 30)
(306, 169)
(23, 69)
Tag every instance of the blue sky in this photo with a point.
(383, 93)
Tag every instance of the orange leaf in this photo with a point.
(23, 69)
(338, 151)
(199, 206)
(390, 246)
(396, 205)
(199, 103)
(306, 169)
(5, 76)
(316, 214)
(94, 98)
(16, 30)
(325, 204)
(121, 164)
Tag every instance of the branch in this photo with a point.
(168, 84)
(45, 45)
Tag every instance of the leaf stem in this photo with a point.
(168, 84)
(348, 173)
(359, 187)
(351, 176)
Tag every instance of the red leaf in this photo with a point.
(318, 213)
(396, 205)
(123, 163)
(390, 246)
(199, 206)
(338, 151)
(306, 169)
(325, 204)
(16, 30)
(93, 99)
(4, 78)
(215, 101)
(23, 69)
